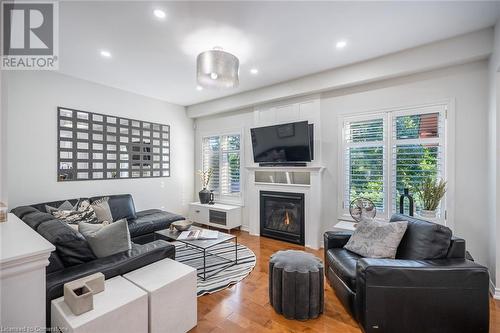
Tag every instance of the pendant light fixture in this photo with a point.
(217, 69)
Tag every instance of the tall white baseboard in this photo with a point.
(495, 292)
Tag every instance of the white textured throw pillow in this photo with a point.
(102, 210)
(377, 239)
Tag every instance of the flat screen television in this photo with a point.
(282, 144)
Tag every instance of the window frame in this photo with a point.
(226, 198)
(446, 141)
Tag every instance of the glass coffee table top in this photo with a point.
(199, 243)
(206, 248)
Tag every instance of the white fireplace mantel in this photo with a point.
(312, 199)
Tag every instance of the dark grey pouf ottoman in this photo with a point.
(296, 284)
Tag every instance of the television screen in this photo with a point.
(282, 143)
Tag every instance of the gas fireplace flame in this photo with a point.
(287, 218)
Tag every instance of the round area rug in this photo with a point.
(224, 278)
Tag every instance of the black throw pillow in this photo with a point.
(72, 248)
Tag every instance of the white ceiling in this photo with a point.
(284, 40)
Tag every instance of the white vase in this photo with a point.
(430, 214)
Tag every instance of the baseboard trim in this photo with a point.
(244, 228)
(495, 292)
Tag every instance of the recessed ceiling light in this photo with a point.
(341, 44)
(105, 54)
(199, 88)
(254, 71)
(159, 13)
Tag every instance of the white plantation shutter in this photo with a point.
(222, 154)
(364, 161)
(211, 148)
(364, 130)
(230, 165)
(417, 149)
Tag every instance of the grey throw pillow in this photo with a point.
(102, 210)
(106, 240)
(377, 239)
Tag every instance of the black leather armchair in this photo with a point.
(429, 287)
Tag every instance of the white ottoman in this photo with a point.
(121, 307)
(172, 295)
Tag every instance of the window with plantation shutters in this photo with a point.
(222, 155)
(364, 160)
(384, 153)
(417, 150)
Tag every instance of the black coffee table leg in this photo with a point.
(204, 264)
(236, 251)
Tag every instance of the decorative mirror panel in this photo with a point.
(96, 146)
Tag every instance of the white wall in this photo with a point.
(465, 85)
(33, 97)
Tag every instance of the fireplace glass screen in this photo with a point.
(282, 216)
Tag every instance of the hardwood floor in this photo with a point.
(245, 307)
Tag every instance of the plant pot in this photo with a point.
(430, 214)
(78, 297)
(204, 196)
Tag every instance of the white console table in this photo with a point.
(23, 257)
(217, 215)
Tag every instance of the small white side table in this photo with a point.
(171, 286)
(121, 307)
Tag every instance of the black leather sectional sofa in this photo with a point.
(429, 287)
(73, 257)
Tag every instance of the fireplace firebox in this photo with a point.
(282, 216)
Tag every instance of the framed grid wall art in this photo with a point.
(93, 146)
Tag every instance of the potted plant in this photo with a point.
(205, 176)
(430, 192)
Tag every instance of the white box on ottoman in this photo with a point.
(121, 307)
(172, 295)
